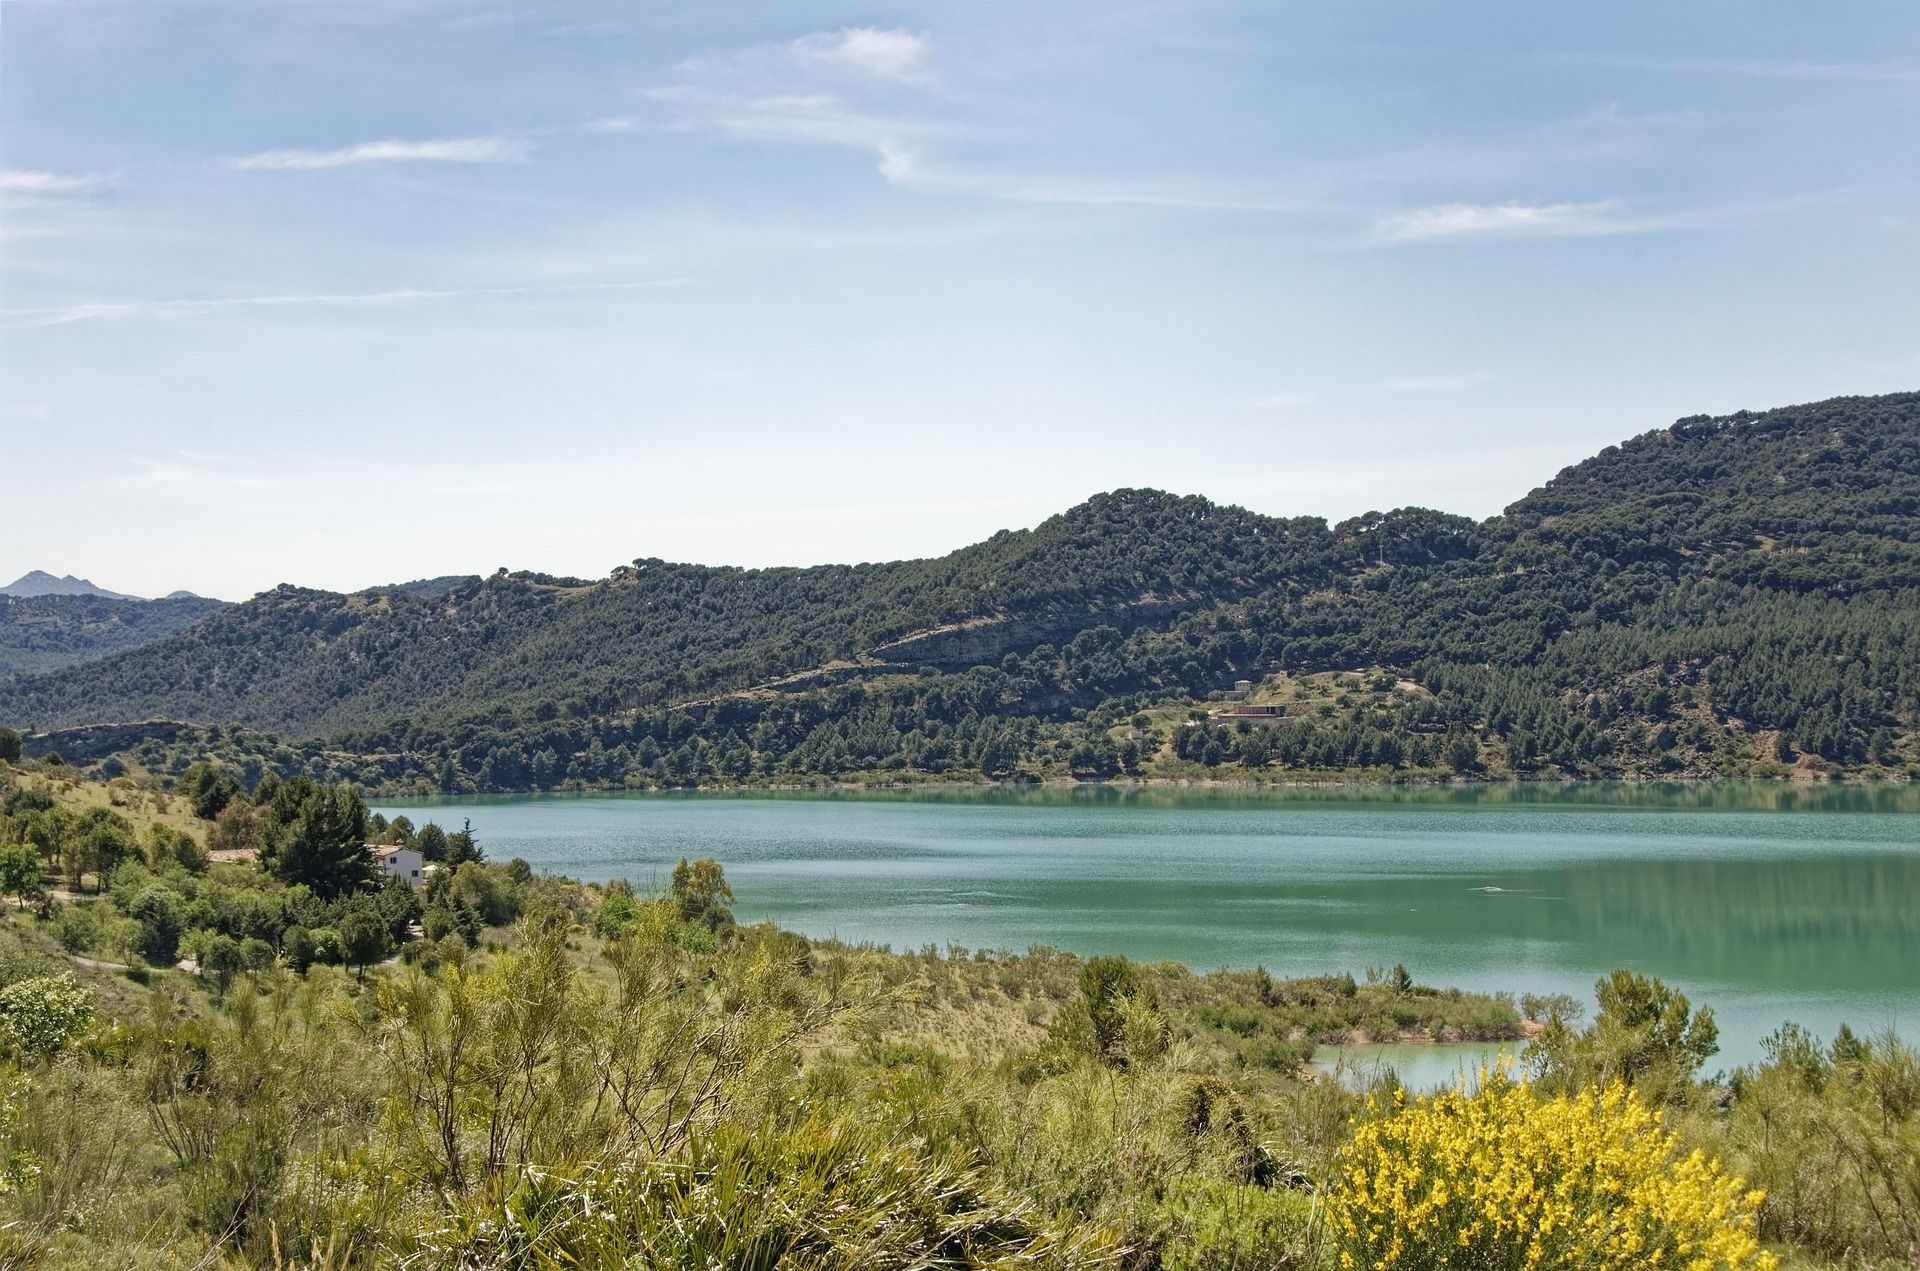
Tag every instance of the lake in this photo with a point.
(1768, 902)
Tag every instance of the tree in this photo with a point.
(1646, 1036)
(216, 954)
(363, 938)
(701, 890)
(19, 870)
(297, 947)
(207, 789)
(237, 828)
(317, 835)
(157, 910)
(167, 847)
(398, 905)
(461, 846)
(431, 842)
(9, 746)
(101, 838)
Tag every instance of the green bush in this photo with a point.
(41, 1015)
(821, 1197)
(1201, 1224)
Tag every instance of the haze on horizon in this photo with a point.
(342, 294)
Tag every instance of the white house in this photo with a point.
(402, 863)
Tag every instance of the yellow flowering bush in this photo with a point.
(1503, 1179)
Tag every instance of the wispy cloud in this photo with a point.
(27, 191)
(797, 118)
(1752, 68)
(187, 468)
(25, 319)
(1284, 401)
(871, 90)
(450, 150)
(859, 88)
(1435, 383)
(905, 150)
(1502, 220)
(25, 181)
(896, 54)
(1467, 222)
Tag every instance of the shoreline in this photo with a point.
(1059, 784)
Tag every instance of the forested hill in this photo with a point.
(312, 663)
(51, 630)
(1727, 595)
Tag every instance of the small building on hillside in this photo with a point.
(1239, 691)
(1251, 712)
(403, 863)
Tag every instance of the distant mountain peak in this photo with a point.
(38, 582)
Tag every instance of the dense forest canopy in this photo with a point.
(1727, 595)
(46, 632)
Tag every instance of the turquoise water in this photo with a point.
(1767, 902)
(1419, 1067)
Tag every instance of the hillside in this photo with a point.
(312, 663)
(48, 631)
(1727, 596)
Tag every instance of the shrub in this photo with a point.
(1205, 1225)
(816, 1198)
(75, 928)
(1834, 1135)
(1503, 1178)
(39, 1016)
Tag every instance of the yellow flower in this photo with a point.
(1501, 1176)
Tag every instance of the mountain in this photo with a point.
(38, 582)
(1729, 595)
(47, 632)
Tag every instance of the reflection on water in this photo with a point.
(1421, 1069)
(1727, 796)
(1768, 901)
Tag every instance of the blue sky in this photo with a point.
(351, 292)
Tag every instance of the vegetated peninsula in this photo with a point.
(1729, 596)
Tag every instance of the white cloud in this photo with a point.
(23, 181)
(190, 468)
(888, 54)
(451, 150)
(801, 118)
(1467, 222)
(1434, 383)
(1504, 220)
(1756, 68)
(26, 319)
(796, 94)
(1283, 401)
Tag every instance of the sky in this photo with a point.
(351, 292)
